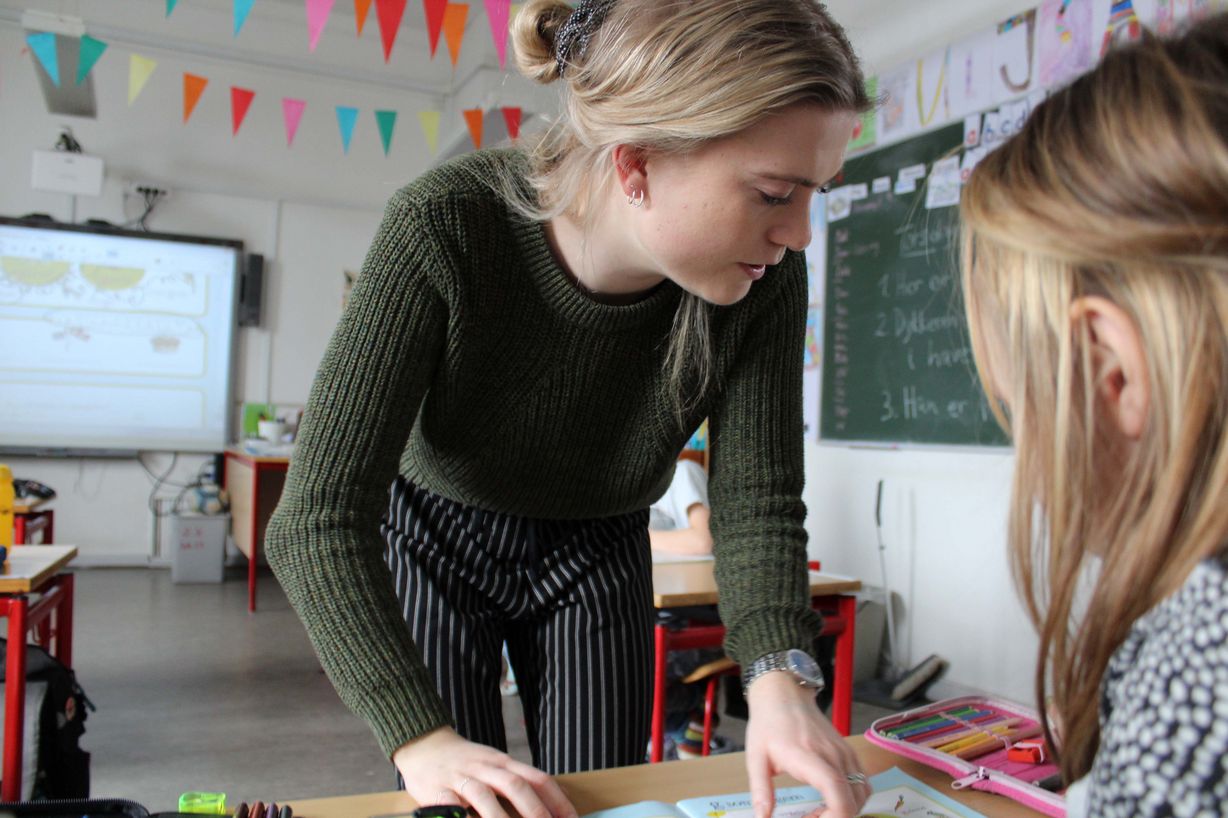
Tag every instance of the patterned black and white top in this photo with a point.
(1164, 708)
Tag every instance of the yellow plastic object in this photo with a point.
(6, 506)
(203, 803)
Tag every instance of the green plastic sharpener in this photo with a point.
(203, 803)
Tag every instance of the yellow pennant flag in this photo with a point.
(430, 127)
(139, 69)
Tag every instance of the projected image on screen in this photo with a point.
(114, 341)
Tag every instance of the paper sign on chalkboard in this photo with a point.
(897, 361)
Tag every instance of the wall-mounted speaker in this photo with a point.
(251, 290)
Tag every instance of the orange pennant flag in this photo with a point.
(473, 118)
(240, 101)
(454, 27)
(361, 7)
(193, 87)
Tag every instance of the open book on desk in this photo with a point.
(895, 794)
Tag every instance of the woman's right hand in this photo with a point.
(443, 768)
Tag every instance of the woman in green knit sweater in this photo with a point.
(533, 338)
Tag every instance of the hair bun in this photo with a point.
(533, 38)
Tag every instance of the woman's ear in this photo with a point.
(1119, 360)
(630, 164)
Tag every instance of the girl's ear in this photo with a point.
(1121, 379)
(631, 166)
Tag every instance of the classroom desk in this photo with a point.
(33, 522)
(685, 584)
(32, 570)
(254, 484)
(670, 782)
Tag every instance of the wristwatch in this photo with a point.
(797, 663)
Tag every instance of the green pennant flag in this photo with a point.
(170, 6)
(91, 50)
(387, 121)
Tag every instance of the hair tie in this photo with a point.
(571, 40)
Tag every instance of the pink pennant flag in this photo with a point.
(317, 17)
(497, 14)
(292, 112)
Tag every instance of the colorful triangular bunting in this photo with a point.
(193, 87)
(292, 113)
(497, 12)
(387, 120)
(429, 120)
(473, 118)
(434, 21)
(346, 117)
(511, 117)
(242, 8)
(43, 46)
(91, 50)
(361, 7)
(454, 27)
(170, 6)
(139, 69)
(240, 101)
(390, 13)
(317, 17)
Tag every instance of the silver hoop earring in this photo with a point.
(636, 198)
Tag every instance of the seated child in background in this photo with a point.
(1095, 273)
(678, 525)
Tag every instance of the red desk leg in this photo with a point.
(14, 697)
(842, 689)
(63, 620)
(658, 693)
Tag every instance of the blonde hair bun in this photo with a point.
(533, 34)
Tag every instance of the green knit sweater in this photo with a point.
(469, 362)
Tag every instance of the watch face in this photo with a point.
(801, 665)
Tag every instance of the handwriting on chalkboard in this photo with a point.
(897, 362)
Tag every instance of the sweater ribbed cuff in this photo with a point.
(397, 716)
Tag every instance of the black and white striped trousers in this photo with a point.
(573, 601)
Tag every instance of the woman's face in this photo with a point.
(714, 218)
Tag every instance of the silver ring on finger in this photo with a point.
(856, 778)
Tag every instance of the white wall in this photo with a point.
(311, 211)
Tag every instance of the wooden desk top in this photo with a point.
(680, 584)
(672, 782)
(24, 505)
(244, 456)
(30, 566)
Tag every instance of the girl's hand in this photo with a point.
(443, 768)
(788, 734)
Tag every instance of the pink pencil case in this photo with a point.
(917, 734)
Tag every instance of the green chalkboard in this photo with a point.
(897, 362)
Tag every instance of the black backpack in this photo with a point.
(63, 767)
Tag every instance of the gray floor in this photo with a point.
(193, 693)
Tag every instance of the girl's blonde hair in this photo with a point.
(667, 76)
(1117, 186)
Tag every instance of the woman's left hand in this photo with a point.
(788, 734)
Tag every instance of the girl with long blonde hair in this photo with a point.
(1095, 269)
(534, 336)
